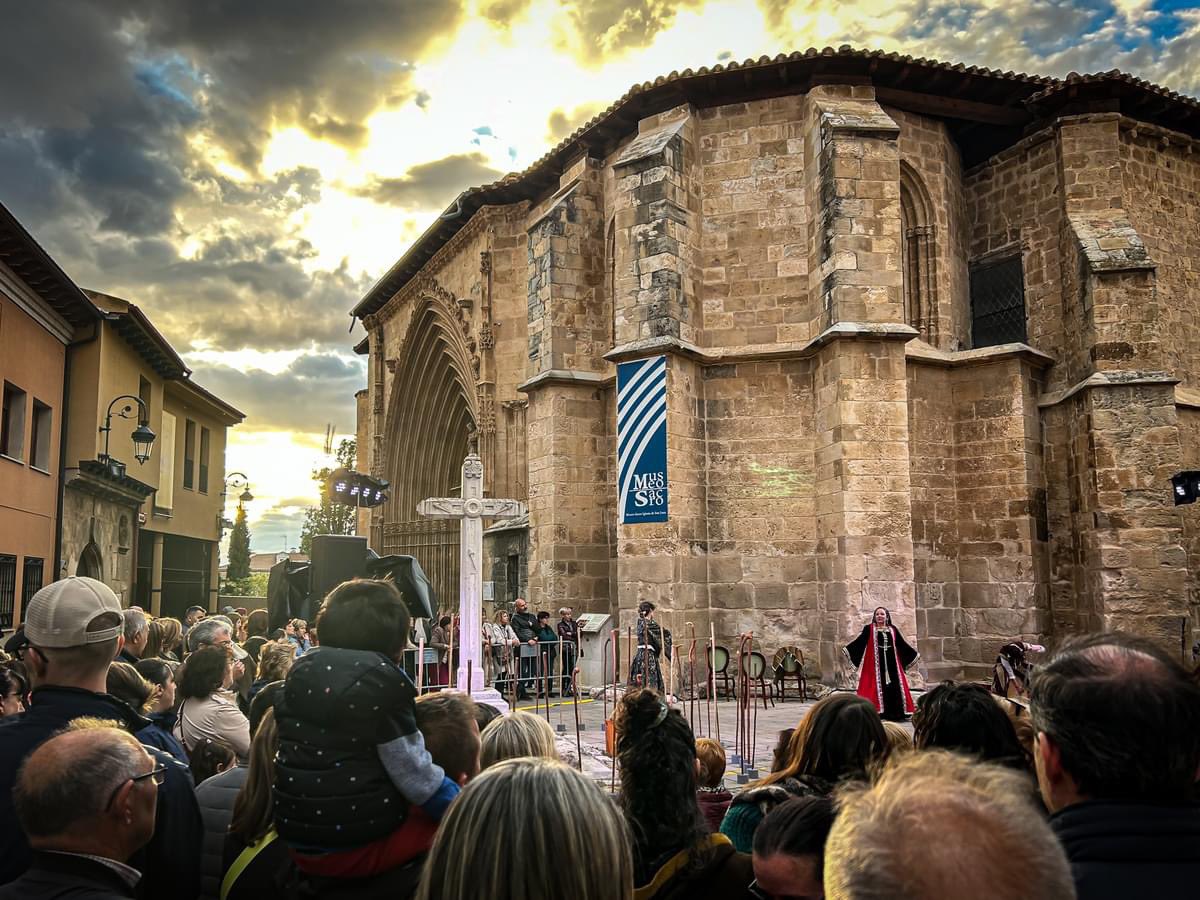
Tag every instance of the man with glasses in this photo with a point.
(86, 800)
(73, 630)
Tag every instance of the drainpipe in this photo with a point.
(62, 447)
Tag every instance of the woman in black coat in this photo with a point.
(880, 654)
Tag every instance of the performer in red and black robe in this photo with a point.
(881, 655)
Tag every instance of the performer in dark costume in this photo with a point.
(881, 655)
(652, 638)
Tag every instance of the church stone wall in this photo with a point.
(823, 460)
(1161, 180)
(754, 248)
(762, 529)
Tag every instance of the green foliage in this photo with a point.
(255, 585)
(329, 517)
(239, 548)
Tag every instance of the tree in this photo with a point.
(329, 517)
(239, 548)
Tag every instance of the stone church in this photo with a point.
(931, 339)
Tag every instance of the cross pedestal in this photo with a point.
(471, 509)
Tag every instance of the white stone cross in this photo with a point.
(471, 509)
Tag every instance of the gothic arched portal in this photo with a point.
(431, 413)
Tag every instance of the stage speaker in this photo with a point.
(335, 558)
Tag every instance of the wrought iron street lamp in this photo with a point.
(143, 437)
(238, 480)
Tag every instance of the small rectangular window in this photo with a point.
(512, 577)
(8, 589)
(12, 423)
(146, 393)
(39, 438)
(189, 454)
(31, 579)
(998, 303)
(204, 444)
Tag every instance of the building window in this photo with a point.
(189, 454)
(204, 444)
(39, 438)
(31, 579)
(12, 424)
(512, 577)
(998, 303)
(8, 589)
(918, 255)
(146, 394)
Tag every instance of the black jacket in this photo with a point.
(525, 625)
(216, 796)
(53, 876)
(331, 788)
(1121, 850)
(170, 863)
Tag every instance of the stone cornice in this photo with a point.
(1106, 379)
(576, 377)
(920, 352)
(715, 356)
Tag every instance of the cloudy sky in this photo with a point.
(244, 169)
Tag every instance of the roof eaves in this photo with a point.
(25, 256)
(229, 412)
(146, 340)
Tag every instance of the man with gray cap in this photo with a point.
(73, 629)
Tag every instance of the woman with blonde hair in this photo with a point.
(573, 842)
(498, 641)
(516, 735)
(274, 662)
(164, 638)
(899, 738)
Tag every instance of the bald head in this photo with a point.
(1117, 718)
(70, 787)
(972, 826)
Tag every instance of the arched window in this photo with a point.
(918, 248)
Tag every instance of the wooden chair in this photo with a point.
(756, 678)
(789, 663)
(721, 656)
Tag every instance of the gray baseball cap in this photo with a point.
(59, 614)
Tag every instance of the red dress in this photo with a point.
(881, 656)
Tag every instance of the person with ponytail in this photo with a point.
(674, 855)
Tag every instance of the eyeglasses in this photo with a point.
(158, 776)
(759, 894)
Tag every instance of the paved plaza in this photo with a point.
(598, 764)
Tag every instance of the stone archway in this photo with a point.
(431, 414)
(91, 564)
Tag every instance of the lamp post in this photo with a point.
(237, 480)
(233, 480)
(143, 437)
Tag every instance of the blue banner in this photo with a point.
(642, 440)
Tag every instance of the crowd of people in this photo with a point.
(153, 758)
